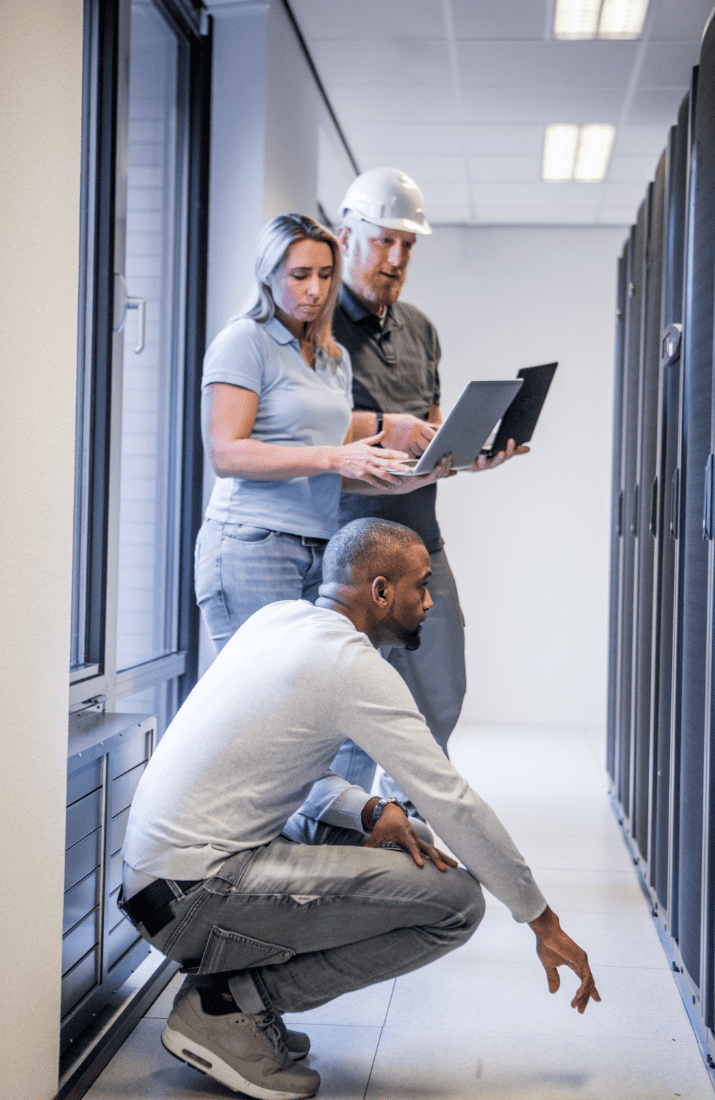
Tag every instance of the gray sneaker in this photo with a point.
(244, 1052)
(297, 1042)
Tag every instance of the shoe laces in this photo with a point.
(268, 1024)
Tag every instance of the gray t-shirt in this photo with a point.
(297, 406)
(395, 364)
(254, 740)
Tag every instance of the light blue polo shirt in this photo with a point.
(297, 407)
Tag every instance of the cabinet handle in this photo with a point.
(708, 500)
(674, 503)
(654, 508)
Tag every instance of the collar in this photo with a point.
(278, 332)
(358, 312)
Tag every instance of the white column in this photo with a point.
(40, 138)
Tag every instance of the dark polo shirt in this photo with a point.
(395, 370)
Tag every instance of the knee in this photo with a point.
(468, 902)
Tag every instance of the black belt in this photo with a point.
(151, 906)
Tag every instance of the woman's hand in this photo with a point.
(364, 461)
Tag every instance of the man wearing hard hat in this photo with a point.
(395, 357)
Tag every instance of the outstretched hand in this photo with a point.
(554, 949)
(484, 463)
(393, 825)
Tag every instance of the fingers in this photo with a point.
(440, 859)
(586, 991)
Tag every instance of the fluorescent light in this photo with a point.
(559, 152)
(578, 153)
(575, 19)
(622, 18)
(585, 19)
(593, 151)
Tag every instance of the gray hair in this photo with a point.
(366, 545)
(274, 243)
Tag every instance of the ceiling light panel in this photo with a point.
(622, 19)
(560, 143)
(576, 19)
(613, 19)
(593, 153)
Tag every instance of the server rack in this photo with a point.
(661, 702)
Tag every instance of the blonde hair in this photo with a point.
(274, 244)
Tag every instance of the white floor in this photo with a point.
(480, 1022)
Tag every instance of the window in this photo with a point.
(138, 452)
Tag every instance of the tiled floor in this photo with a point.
(480, 1022)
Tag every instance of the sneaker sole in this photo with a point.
(199, 1057)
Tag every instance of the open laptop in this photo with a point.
(520, 418)
(467, 428)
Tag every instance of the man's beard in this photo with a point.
(410, 639)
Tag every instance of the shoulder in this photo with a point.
(243, 333)
(414, 317)
(238, 353)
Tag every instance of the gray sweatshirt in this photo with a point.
(254, 740)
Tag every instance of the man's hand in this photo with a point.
(484, 463)
(405, 432)
(394, 825)
(555, 948)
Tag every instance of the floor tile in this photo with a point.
(513, 997)
(464, 1066)
(145, 1071)
(364, 1006)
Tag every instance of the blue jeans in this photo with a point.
(434, 673)
(239, 569)
(293, 925)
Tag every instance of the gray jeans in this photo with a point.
(294, 925)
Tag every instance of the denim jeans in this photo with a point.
(434, 673)
(294, 925)
(239, 569)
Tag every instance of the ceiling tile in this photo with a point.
(616, 215)
(640, 141)
(532, 215)
(623, 194)
(497, 19)
(378, 60)
(543, 104)
(425, 169)
(509, 169)
(557, 64)
(681, 20)
(660, 105)
(668, 63)
(448, 193)
(382, 139)
(541, 195)
(387, 18)
(404, 103)
(449, 214)
(631, 170)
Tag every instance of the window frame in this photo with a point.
(94, 681)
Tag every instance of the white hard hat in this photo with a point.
(387, 197)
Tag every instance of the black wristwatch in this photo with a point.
(380, 417)
(377, 809)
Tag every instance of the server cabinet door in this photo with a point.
(629, 489)
(646, 519)
(616, 522)
(690, 667)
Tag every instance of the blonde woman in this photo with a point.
(276, 412)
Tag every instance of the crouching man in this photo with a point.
(276, 884)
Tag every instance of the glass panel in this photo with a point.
(152, 388)
(78, 639)
(160, 699)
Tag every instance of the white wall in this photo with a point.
(529, 543)
(40, 136)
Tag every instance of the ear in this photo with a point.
(343, 235)
(381, 591)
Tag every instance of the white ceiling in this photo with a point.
(457, 94)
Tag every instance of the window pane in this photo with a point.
(153, 379)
